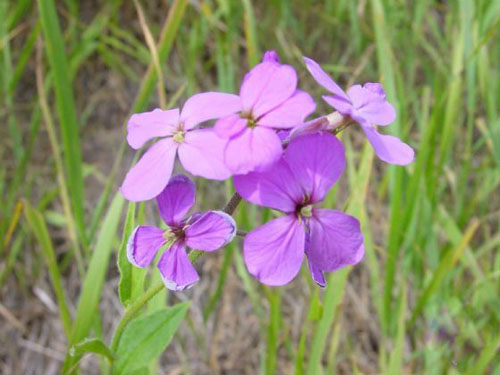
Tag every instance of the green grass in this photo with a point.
(432, 233)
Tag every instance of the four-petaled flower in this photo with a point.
(329, 239)
(207, 231)
(269, 100)
(367, 105)
(200, 150)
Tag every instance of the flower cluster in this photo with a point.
(278, 160)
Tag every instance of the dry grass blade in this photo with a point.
(154, 54)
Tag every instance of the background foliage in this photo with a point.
(424, 300)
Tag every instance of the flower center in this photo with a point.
(179, 136)
(306, 211)
(251, 122)
(173, 234)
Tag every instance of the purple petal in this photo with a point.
(284, 134)
(145, 126)
(378, 113)
(176, 199)
(229, 126)
(388, 148)
(335, 240)
(210, 231)
(290, 113)
(271, 56)
(143, 245)
(376, 88)
(323, 78)
(274, 252)
(266, 86)
(275, 188)
(208, 106)
(202, 154)
(317, 275)
(253, 149)
(317, 160)
(150, 175)
(371, 105)
(340, 104)
(359, 96)
(176, 270)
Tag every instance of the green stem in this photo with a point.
(132, 310)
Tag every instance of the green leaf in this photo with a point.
(145, 338)
(94, 278)
(91, 346)
(315, 307)
(124, 266)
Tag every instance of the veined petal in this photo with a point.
(359, 96)
(142, 127)
(366, 94)
(378, 113)
(143, 244)
(273, 252)
(176, 270)
(266, 86)
(202, 154)
(317, 160)
(253, 149)
(230, 126)
(210, 231)
(323, 78)
(335, 240)
(370, 104)
(290, 113)
(388, 148)
(208, 106)
(344, 106)
(275, 188)
(176, 199)
(150, 175)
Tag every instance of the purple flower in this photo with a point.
(207, 231)
(269, 100)
(200, 150)
(367, 106)
(330, 239)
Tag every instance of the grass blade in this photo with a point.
(446, 264)
(37, 224)
(65, 104)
